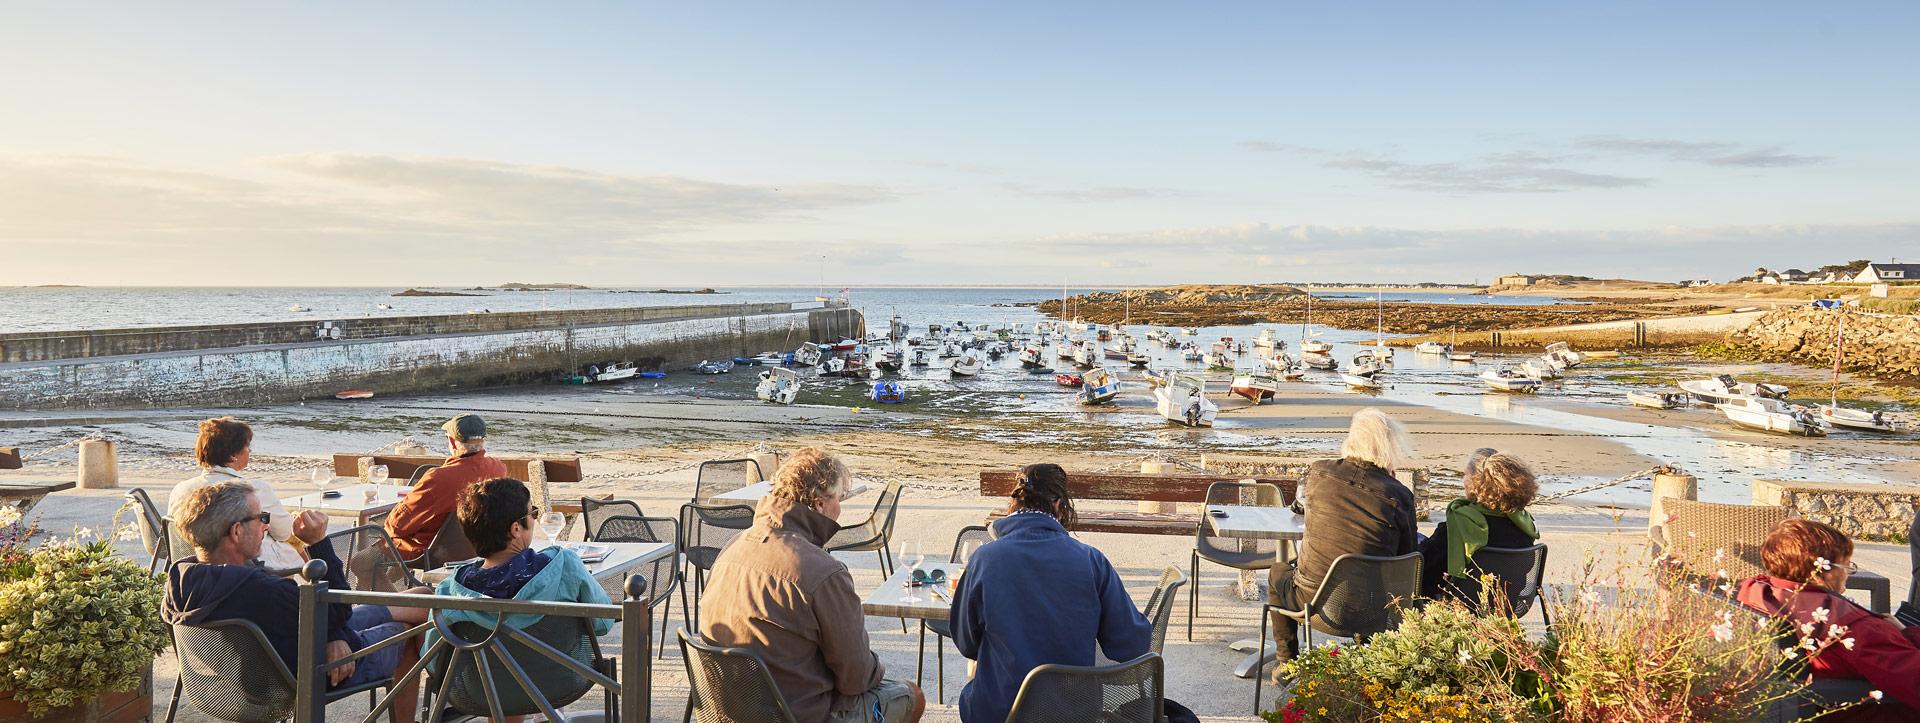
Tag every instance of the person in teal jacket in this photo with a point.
(498, 517)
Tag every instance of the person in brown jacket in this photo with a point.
(777, 592)
(419, 515)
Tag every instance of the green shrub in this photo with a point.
(1907, 306)
(76, 621)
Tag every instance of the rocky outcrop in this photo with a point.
(1229, 305)
(1875, 344)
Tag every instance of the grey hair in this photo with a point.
(211, 511)
(1377, 438)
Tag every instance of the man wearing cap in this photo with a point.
(430, 502)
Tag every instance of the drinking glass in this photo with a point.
(322, 478)
(966, 552)
(551, 523)
(377, 474)
(910, 554)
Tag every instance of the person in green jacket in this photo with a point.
(1493, 513)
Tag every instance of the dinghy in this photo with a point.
(966, 365)
(1184, 401)
(354, 394)
(1098, 387)
(1509, 378)
(1068, 379)
(1723, 389)
(889, 360)
(888, 392)
(1656, 400)
(1461, 356)
(720, 366)
(1432, 347)
(1772, 415)
(1858, 419)
(778, 386)
(1255, 386)
(1319, 361)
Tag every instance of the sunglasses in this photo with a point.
(265, 518)
(937, 577)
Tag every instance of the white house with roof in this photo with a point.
(1879, 273)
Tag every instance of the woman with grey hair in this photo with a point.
(1492, 512)
(1355, 506)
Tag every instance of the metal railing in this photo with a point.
(630, 695)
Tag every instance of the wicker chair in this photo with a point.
(1129, 692)
(1519, 571)
(1697, 532)
(1159, 607)
(1360, 597)
(727, 685)
(705, 530)
(373, 564)
(153, 531)
(874, 534)
(557, 683)
(663, 574)
(724, 475)
(230, 672)
(1234, 552)
(594, 512)
(975, 535)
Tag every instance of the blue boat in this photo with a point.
(889, 392)
(652, 375)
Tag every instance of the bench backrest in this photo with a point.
(1119, 486)
(400, 467)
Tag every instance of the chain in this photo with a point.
(1629, 477)
(75, 442)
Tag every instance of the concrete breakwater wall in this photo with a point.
(1878, 344)
(313, 368)
(1658, 332)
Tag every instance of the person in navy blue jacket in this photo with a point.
(1034, 596)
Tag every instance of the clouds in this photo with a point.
(1094, 194)
(1712, 153)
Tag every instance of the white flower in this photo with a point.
(1874, 694)
(1726, 587)
(1809, 644)
(1722, 573)
(83, 533)
(1834, 631)
(1720, 556)
(1722, 632)
(1726, 616)
(1806, 628)
(1791, 652)
(1466, 656)
(1846, 643)
(9, 515)
(1589, 597)
(1821, 562)
(130, 533)
(1820, 615)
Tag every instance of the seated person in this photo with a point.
(1807, 565)
(224, 524)
(498, 517)
(1354, 505)
(774, 590)
(1035, 596)
(419, 515)
(224, 449)
(1492, 514)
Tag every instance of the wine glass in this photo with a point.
(551, 523)
(966, 552)
(322, 478)
(910, 554)
(377, 474)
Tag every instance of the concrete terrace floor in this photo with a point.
(1198, 672)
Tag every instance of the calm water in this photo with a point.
(107, 307)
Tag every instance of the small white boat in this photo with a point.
(1191, 353)
(1511, 379)
(1656, 400)
(1086, 354)
(778, 386)
(1184, 401)
(1063, 349)
(1461, 356)
(1564, 354)
(1378, 356)
(1098, 387)
(1268, 340)
(1858, 419)
(921, 356)
(966, 365)
(296, 308)
(1030, 356)
(1432, 347)
(1723, 389)
(1255, 386)
(615, 371)
(720, 366)
(1284, 366)
(1190, 332)
(808, 355)
(1315, 346)
(1360, 381)
(1217, 361)
(1319, 361)
(383, 307)
(1772, 415)
(1139, 359)
(889, 359)
(1540, 369)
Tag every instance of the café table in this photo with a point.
(752, 493)
(889, 600)
(23, 494)
(1257, 523)
(622, 557)
(352, 502)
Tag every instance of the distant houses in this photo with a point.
(1879, 273)
(1514, 280)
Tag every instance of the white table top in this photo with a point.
(752, 493)
(885, 601)
(352, 500)
(1257, 523)
(623, 557)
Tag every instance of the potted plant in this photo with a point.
(79, 628)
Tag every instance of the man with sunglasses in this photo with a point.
(224, 524)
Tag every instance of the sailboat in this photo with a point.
(1382, 356)
(1834, 414)
(1453, 346)
(1309, 345)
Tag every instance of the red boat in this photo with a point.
(1067, 380)
(354, 394)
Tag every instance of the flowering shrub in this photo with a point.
(1444, 663)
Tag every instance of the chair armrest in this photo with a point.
(1300, 615)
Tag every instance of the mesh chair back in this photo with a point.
(558, 683)
(968, 542)
(229, 671)
(1699, 530)
(373, 565)
(176, 540)
(1129, 692)
(724, 475)
(1362, 594)
(1518, 572)
(1160, 606)
(1237, 552)
(660, 572)
(705, 530)
(594, 513)
(418, 472)
(450, 544)
(726, 685)
(874, 533)
(153, 530)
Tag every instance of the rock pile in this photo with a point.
(1879, 345)
(1230, 305)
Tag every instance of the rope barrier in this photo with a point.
(1629, 477)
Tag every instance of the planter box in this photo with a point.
(123, 707)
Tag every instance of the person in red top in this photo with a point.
(1805, 561)
(419, 515)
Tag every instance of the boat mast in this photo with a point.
(1839, 334)
(1379, 321)
(1309, 320)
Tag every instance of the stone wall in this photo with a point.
(1863, 511)
(1877, 344)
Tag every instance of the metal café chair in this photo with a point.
(1234, 552)
(723, 475)
(511, 654)
(1159, 607)
(725, 685)
(1361, 596)
(153, 530)
(976, 535)
(1129, 692)
(874, 534)
(705, 530)
(229, 671)
(373, 564)
(418, 472)
(1518, 571)
(663, 574)
(450, 544)
(594, 513)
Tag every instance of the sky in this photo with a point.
(716, 144)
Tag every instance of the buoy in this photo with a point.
(1023, 396)
(855, 410)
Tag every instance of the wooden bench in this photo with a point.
(10, 458)
(400, 467)
(998, 484)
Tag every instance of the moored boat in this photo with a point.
(1432, 347)
(1255, 386)
(1656, 400)
(1184, 401)
(966, 365)
(1772, 415)
(1319, 361)
(1098, 387)
(1509, 378)
(1138, 359)
(1858, 419)
(1723, 389)
(808, 355)
(1030, 356)
(1268, 340)
(778, 386)
(1460, 356)
(717, 366)
(888, 392)
(1068, 379)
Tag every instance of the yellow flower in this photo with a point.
(1323, 710)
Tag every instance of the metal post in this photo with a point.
(310, 685)
(636, 666)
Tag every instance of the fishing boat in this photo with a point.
(1255, 386)
(1284, 366)
(778, 386)
(1184, 401)
(719, 366)
(889, 359)
(1268, 340)
(846, 345)
(1772, 415)
(1068, 379)
(921, 356)
(1319, 361)
(1127, 344)
(1432, 347)
(1064, 349)
(1112, 353)
(1723, 389)
(1190, 352)
(1216, 360)
(1030, 356)
(1656, 400)
(1559, 351)
(1540, 369)
(966, 365)
(1509, 378)
(1098, 387)
(615, 371)
(354, 394)
(1138, 359)
(1834, 414)
(1085, 354)
(808, 355)
(888, 392)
